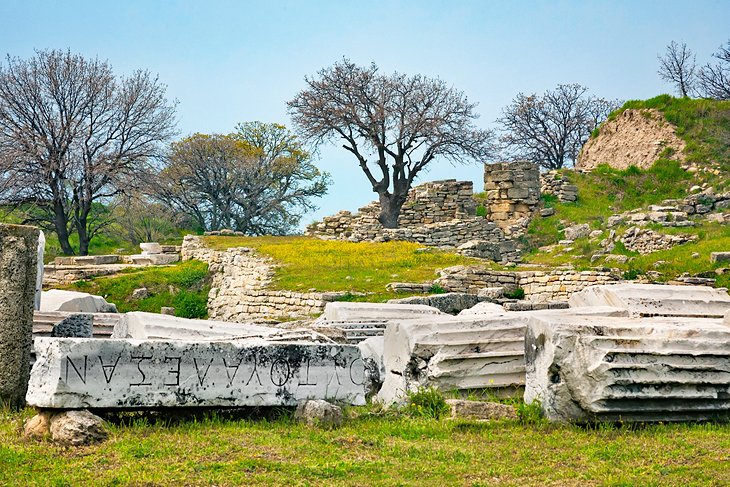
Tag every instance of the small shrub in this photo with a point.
(427, 403)
(436, 289)
(529, 413)
(630, 275)
(190, 305)
(518, 293)
(481, 211)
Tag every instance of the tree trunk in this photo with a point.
(390, 205)
(83, 237)
(60, 223)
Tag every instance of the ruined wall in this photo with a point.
(240, 288)
(552, 182)
(513, 194)
(539, 286)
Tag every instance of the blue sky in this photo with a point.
(228, 62)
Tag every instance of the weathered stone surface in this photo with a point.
(656, 299)
(719, 257)
(450, 303)
(39, 426)
(150, 248)
(139, 325)
(577, 231)
(18, 267)
(39, 272)
(462, 352)
(344, 311)
(154, 259)
(59, 300)
(484, 308)
(371, 350)
(630, 369)
(320, 413)
(88, 373)
(481, 410)
(74, 326)
(77, 428)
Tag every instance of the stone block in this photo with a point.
(716, 257)
(154, 259)
(628, 369)
(656, 299)
(79, 325)
(480, 410)
(344, 311)
(149, 248)
(319, 413)
(139, 325)
(72, 373)
(76, 302)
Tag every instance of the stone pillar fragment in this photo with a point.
(18, 267)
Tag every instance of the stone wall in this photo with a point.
(240, 288)
(539, 286)
(554, 183)
(513, 194)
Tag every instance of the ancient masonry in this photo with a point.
(443, 213)
(18, 268)
(240, 290)
(552, 182)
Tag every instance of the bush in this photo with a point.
(529, 413)
(427, 403)
(518, 293)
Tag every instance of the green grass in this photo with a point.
(371, 449)
(325, 265)
(703, 124)
(183, 286)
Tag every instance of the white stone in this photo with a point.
(77, 302)
(77, 428)
(149, 248)
(154, 259)
(656, 299)
(484, 308)
(139, 325)
(72, 373)
(628, 369)
(344, 311)
(461, 352)
(319, 412)
(577, 231)
(371, 350)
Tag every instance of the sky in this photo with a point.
(227, 62)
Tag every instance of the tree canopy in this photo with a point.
(258, 180)
(550, 129)
(73, 135)
(394, 125)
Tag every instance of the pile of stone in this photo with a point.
(554, 183)
(677, 213)
(645, 241)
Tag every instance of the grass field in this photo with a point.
(184, 286)
(327, 265)
(371, 449)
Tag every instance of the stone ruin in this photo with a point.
(443, 214)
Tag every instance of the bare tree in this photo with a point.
(74, 136)
(678, 66)
(550, 129)
(394, 126)
(258, 180)
(714, 79)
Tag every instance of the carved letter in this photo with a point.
(73, 366)
(352, 378)
(139, 367)
(282, 370)
(254, 371)
(201, 379)
(235, 370)
(104, 367)
(174, 371)
(306, 377)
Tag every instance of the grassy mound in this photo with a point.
(703, 124)
(306, 263)
(183, 286)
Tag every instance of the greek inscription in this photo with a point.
(280, 372)
(232, 376)
(306, 377)
(141, 358)
(174, 371)
(70, 362)
(109, 367)
(197, 370)
(254, 372)
(363, 374)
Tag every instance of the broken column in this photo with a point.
(18, 267)
(583, 369)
